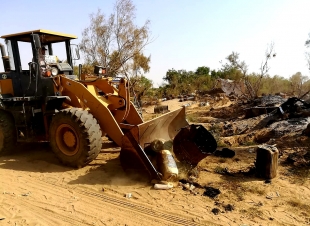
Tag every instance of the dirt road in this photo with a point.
(36, 190)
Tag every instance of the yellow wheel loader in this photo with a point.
(49, 103)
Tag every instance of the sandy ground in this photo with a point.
(36, 190)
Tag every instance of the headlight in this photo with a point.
(47, 74)
(54, 71)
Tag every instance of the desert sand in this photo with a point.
(35, 189)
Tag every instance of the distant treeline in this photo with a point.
(185, 82)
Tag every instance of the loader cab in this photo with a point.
(21, 75)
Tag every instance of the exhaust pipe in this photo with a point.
(80, 71)
(5, 59)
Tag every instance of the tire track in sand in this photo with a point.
(98, 204)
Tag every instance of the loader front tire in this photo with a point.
(75, 137)
(8, 137)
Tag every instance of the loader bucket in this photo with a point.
(165, 127)
(191, 148)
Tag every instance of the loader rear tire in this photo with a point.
(8, 137)
(75, 137)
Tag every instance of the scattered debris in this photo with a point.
(163, 186)
(184, 181)
(290, 125)
(272, 195)
(257, 204)
(229, 207)
(161, 109)
(26, 194)
(128, 195)
(251, 150)
(224, 153)
(306, 131)
(300, 158)
(186, 98)
(211, 192)
(157, 145)
(267, 161)
(270, 100)
(204, 104)
(256, 111)
(191, 187)
(192, 178)
(185, 186)
(215, 211)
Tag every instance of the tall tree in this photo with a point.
(298, 84)
(179, 82)
(202, 70)
(140, 86)
(252, 83)
(116, 42)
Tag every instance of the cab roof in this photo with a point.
(46, 36)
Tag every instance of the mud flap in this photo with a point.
(193, 143)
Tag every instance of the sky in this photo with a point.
(186, 34)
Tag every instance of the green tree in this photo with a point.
(299, 84)
(202, 71)
(178, 81)
(116, 42)
(275, 84)
(186, 82)
(203, 83)
(140, 86)
(252, 83)
(215, 74)
(233, 68)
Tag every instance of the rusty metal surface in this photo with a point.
(193, 143)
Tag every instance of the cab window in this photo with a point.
(25, 52)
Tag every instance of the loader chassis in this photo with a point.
(73, 112)
(28, 97)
